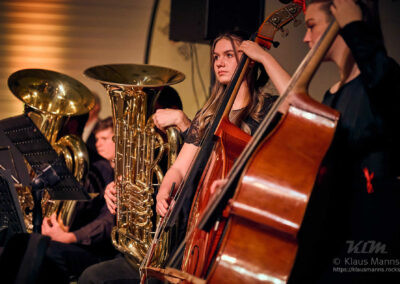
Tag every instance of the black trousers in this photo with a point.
(114, 271)
(65, 262)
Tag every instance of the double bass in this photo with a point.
(230, 142)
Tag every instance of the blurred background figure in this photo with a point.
(104, 144)
(87, 134)
(88, 240)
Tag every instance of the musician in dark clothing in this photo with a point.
(88, 239)
(249, 107)
(350, 233)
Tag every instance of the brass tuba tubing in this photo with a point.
(133, 89)
(52, 98)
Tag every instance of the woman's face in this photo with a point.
(316, 23)
(225, 60)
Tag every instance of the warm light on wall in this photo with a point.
(68, 36)
(34, 36)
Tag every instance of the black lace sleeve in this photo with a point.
(192, 134)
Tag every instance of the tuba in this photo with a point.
(133, 91)
(50, 99)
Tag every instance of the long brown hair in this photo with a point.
(256, 78)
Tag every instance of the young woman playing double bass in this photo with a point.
(249, 107)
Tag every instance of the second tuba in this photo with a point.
(50, 99)
(133, 90)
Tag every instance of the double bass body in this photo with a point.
(259, 244)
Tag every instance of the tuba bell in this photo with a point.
(133, 90)
(50, 98)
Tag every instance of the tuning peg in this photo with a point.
(276, 20)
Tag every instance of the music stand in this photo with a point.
(11, 217)
(51, 170)
(12, 171)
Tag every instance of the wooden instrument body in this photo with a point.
(230, 143)
(265, 214)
